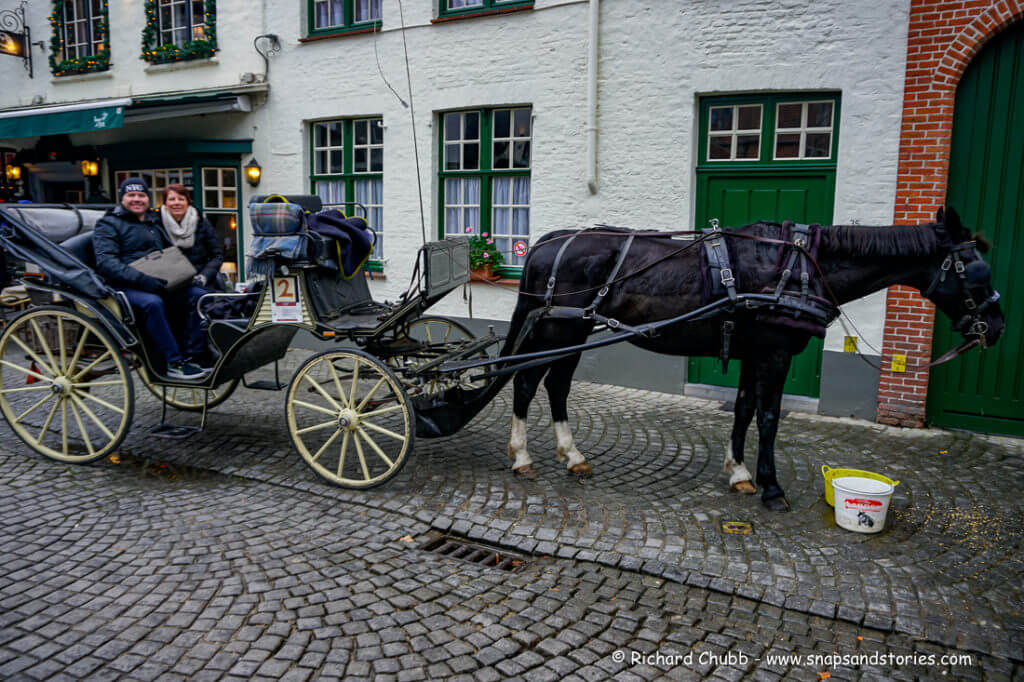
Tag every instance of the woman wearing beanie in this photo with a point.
(126, 233)
(193, 234)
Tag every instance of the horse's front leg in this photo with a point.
(771, 376)
(746, 405)
(558, 382)
(525, 387)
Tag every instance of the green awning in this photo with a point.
(84, 120)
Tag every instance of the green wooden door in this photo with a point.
(739, 198)
(984, 391)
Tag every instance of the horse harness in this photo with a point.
(972, 274)
(796, 260)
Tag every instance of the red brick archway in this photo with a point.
(943, 38)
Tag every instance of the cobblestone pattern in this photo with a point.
(947, 569)
(118, 573)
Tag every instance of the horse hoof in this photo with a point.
(777, 504)
(581, 469)
(745, 487)
(526, 471)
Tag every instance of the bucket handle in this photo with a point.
(826, 468)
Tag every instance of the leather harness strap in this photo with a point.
(550, 292)
(722, 279)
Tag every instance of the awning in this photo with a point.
(73, 118)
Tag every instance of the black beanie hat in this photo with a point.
(132, 185)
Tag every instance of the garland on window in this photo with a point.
(155, 53)
(60, 65)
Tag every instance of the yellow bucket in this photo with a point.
(829, 473)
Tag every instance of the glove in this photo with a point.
(152, 285)
(199, 280)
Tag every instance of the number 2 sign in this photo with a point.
(285, 305)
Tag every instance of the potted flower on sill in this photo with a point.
(483, 257)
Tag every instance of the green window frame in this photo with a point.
(346, 168)
(485, 177)
(80, 42)
(788, 130)
(458, 8)
(179, 30)
(333, 17)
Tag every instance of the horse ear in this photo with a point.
(940, 216)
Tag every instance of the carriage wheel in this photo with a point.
(191, 399)
(438, 336)
(350, 418)
(64, 385)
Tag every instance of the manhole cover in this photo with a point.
(464, 550)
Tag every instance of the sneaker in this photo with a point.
(203, 362)
(186, 371)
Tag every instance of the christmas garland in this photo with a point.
(155, 53)
(60, 65)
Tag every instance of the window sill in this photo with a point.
(341, 33)
(183, 64)
(81, 77)
(481, 13)
(510, 283)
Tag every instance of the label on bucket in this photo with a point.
(859, 503)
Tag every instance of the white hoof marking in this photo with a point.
(737, 470)
(566, 448)
(517, 444)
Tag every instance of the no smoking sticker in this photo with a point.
(519, 248)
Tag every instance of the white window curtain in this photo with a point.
(370, 193)
(367, 10)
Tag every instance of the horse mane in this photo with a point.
(888, 240)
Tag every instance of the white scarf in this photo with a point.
(182, 234)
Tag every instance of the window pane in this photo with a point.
(359, 132)
(322, 17)
(228, 199)
(719, 147)
(377, 160)
(819, 115)
(320, 163)
(451, 157)
(451, 126)
(818, 145)
(748, 146)
(521, 155)
(377, 132)
(502, 123)
(335, 136)
(787, 146)
(471, 191)
(521, 191)
(521, 221)
(227, 177)
(472, 120)
(210, 198)
(522, 122)
(451, 191)
(471, 156)
(750, 118)
(210, 177)
(471, 218)
(721, 118)
(337, 17)
(360, 160)
(501, 159)
(452, 224)
(789, 116)
(502, 220)
(335, 165)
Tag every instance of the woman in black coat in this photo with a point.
(193, 234)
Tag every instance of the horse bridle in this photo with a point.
(972, 274)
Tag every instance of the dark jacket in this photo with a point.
(206, 254)
(120, 238)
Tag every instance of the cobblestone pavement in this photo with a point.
(248, 564)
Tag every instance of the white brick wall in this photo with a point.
(656, 58)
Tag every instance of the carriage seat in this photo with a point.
(80, 246)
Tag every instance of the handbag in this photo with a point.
(168, 264)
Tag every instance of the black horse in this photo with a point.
(940, 259)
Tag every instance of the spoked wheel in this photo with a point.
(191, 399)
(350, 418)
(64, 385)
(433, 337)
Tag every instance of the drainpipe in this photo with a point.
(595, 8)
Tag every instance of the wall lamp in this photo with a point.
(253, 172)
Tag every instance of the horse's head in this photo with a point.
(959, 282)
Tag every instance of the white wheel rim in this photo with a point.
(349, 419)
(63, 387)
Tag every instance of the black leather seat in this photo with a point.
(80, 246)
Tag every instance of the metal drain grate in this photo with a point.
(464, 550)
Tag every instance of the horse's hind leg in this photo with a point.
(771, 376)
(558, 383)
(746, 405)
(525, 387)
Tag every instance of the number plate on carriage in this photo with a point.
(285, 306)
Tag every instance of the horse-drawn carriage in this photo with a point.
(66, 363)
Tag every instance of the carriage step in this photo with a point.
(460, 548)
(265, 385)
(174, 431)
